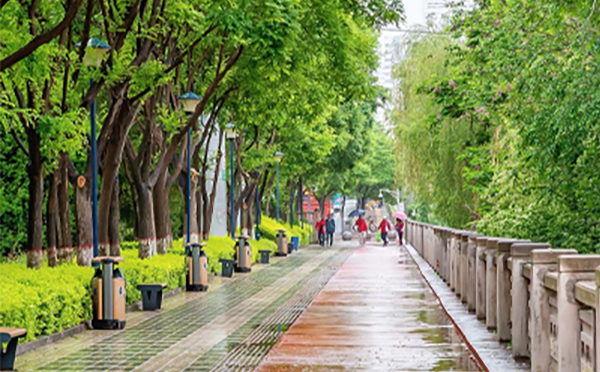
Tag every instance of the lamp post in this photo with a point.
(94, 51)
(230, 134)
(278, 157)
(189, 101)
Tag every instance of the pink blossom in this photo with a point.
(478, 166)
(508, 87)
(452, 84)
(439, 116)
(436, 89)
(491, 152)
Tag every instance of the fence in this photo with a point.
(542, 300)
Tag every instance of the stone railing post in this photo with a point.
(490, 283)
(464, 266)
(503, 283)
(438, 249)
(472, 277)
(444, 254)
(480, 277)
(457, 260)
(455, 240)
(519, 313)
(542, 261)
(571, 268)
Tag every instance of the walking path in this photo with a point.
(375, 314)
(322, 309)
(229, 328)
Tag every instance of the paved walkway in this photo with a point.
(371, 311)
(375, 314)
(231, 327)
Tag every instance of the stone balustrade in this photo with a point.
(541, 299)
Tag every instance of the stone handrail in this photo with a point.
(541, 299)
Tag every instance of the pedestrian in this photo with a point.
(384, 227)
(399, 229)
(361, 226)
(329, 229)
(320, 227)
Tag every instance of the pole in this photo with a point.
(292, 207)
(232, 185)
(277, 192)
(189, 186)
(94, 155)
(257, 202)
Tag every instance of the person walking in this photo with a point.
(384, 227)
(320, 227)
(399, 229)
(329, 229)
(361, 226)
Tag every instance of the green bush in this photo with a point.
(49, 300)
(44, 301)
(269, 227)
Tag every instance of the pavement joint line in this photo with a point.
(231, 319)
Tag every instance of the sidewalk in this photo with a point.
(201, 331)
(375, 314)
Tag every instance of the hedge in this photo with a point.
(49, 300)
(268, 230)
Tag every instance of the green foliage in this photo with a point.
(269, 228)
(517, 86)
(58, 298)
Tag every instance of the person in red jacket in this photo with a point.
(320, 227)
(399, 229)
(384, 227)
(361, 226)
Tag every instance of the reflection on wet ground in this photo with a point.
(375, 314)
(336, 309)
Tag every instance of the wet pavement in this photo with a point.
(495, 356)
(375, 314)
(229, 328)
(322, 309)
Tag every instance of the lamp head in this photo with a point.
(380, 196)
(189, 101)
(278, 156)
(95, 49)
(230, 131)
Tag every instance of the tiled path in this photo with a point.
(375, 314)
(371, 311)
(229, 328)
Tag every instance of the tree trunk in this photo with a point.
(51, 224)
(110, 171)
(146, 230)
(162, 217)
(83, 205)
(65, 242)
(35, 171)
(113, 227)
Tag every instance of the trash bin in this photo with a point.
(290, 248)
(108, 294)
(243, 254)
(264, 256)
(296, 241)
(282, 246)
(197, 268)
(227, 267)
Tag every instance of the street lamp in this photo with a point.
(231, 134)
(189, 101)
(396, 194)
(278, 156)
(95, 49)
